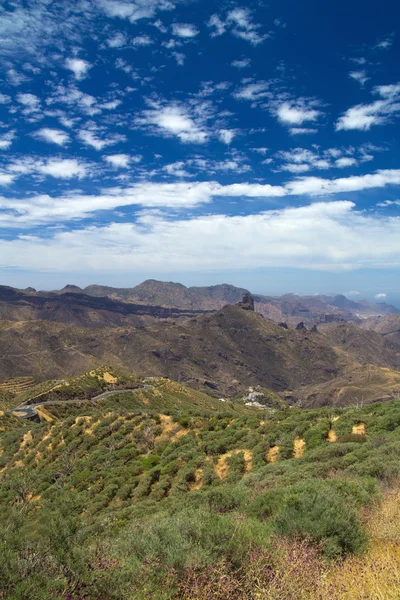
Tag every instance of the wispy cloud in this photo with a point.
(52, 136)
(240, 23)
(380, 112)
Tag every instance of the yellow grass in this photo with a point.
(273, 454)
(222, 468)
(332, 437)
(374, 575)
(359, 429)
(298, 447)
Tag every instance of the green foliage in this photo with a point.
(114, 497)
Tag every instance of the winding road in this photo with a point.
(28, 411)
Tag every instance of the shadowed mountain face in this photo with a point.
(167, 294)
(80, 309)
(289, 307)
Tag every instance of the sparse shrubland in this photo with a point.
(165, 493)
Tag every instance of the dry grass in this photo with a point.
(298, 447)
(222, 468)
(359, 429)
(332, 437)
(273, 454)
(374, 575)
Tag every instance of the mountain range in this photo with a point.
(311, 350)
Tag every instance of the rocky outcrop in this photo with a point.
(301, 327)
(247, 303)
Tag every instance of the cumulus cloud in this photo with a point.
(380, 112)
(134, 11)
(118, 40)
(226, 135)
(174, 120)
(52, 136)
(63, 168)
(142, 40)
(240, 23)
(301, 160)
(332, 236)
(6, 140)
(381, 296)
(78, 66)
(184, 30)
(297, 112)
(118, 160)
(241, 63)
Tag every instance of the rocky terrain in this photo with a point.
(222, 352)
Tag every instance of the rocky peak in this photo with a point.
(247, 303)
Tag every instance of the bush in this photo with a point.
(319, 511)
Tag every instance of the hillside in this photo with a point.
(225, 352)
(222, 353)
(145, 494)
(81, 310)
(167, 294)
(388, 326)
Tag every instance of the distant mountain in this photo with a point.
(80, 309)
(168, 294)
(388, 326)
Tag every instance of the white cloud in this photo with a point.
(134, 11)
(179, 57)
(380, 112)
(217, 25)
(6, 179)
(63, 168)
(386, 203)
(352, 294)
(299, 160)
(381, 296)
(6, 140)
(297, 112)
(52, 136)
(31, 101)
(184, 30)
(345, 161)
(239, 21)
(174, 120)
(329, 236)
(241, 64)
(385, 43)
(302, 130)
(78, 66)
(4, 99)
(360, 76)
(142, 40)
(226, 135)
(118, 40)
(177, 169)
(254, 91)
(90, 138)
(316, 186)
(118, 160)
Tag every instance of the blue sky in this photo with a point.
(255, 143)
